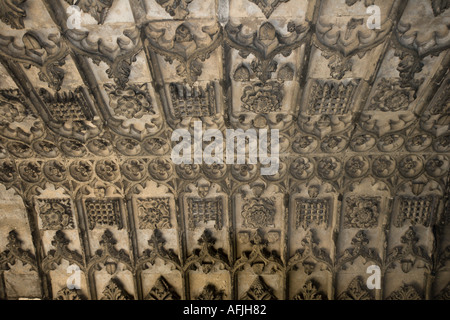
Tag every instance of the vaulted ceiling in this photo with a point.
(91, 91)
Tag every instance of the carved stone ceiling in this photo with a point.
(91, 91)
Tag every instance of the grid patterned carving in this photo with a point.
(331, 98)
(204, 210)
(103, 212)
(311, 211)
(416, 209)
(192, 102)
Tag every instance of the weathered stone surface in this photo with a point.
(91, 92)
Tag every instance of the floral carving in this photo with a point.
(244, 172)
(418, 143)
(46, 149)
(68, 294)
(131, 102)
(73, 148)
(356, 290)
(160, 169)
(114, 291)
(210, 292)
(162, 290)
(334, 144)
(392, 95)
(30, 171)
(259, 290)
(410, 166)
(133, 169)
(383, 166)
(20, 150)
(405, 292)
(154, 213)
(362, 143)
(215, 170)
(357, 166)
(302, 168)
(81, 170)
(12, 13)
(259, 213)
(156, 146)
(7, 171)
(11, 107)
(304, 144)
(361, 212)
(55, 171)
(55, 214)
(176, 8)
(437, 166)
(308, 292)
(188, 171)
(390, 142)
(329, 168)
(263, 97)
(107, 170)
(98, 9)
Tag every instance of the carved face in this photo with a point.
(308, 267)
(183, 34)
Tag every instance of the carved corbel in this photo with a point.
(265, 44)
(207, 259)
(61, 252)
(14, 252)
(187, 48)
(48, 57)
(118, 58)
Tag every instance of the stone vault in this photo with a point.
(91, 91)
